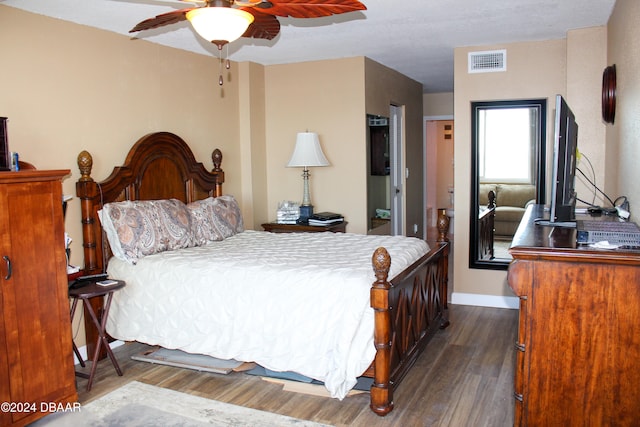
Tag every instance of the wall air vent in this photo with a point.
(488, 61)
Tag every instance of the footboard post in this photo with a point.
(381, 390)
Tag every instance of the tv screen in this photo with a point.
(563, 194)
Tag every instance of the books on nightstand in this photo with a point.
(325, 218)
(288, 213)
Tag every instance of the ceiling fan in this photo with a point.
(223, 21)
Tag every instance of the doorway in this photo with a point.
(385, 183)
(439, 168)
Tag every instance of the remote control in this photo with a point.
(92, 277)
(107, 282)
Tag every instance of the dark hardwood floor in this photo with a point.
(464, 378)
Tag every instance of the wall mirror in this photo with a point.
(508, 140)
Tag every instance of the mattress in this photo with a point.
(290, 302)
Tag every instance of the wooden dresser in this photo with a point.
(36, 362)
(578, 358)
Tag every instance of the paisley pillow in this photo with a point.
(144, 227)
(215, 219)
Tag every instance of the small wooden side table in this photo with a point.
(274, 227)
(85, 293)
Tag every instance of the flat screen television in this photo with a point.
(565, 149)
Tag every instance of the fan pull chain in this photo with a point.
(227, 63)
(220, 79)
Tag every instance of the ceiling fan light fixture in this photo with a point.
(219, 25)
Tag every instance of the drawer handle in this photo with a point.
(8, 261)
(520, 347)
(518, 397)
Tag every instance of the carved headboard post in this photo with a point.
(87, 192)
(216, 156)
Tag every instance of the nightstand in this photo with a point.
(274, 227)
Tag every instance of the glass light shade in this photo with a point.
(307, 151)
(220, 25)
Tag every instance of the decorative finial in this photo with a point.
(85, 163)
(216, 156)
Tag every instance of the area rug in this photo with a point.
(137, 405)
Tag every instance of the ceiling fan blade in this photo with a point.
(309, 8)
(263, 26)
(162, 20)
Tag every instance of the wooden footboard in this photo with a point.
(408, 312)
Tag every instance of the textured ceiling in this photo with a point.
(414, 37)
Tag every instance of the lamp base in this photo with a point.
(306, 211)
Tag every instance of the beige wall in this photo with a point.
(332, 98)
(385, 87)
(534, 70)
(312, 96)
(586, 59)
(438, 104)
(68, 88)
(623, 137)
(253, 144)
(573, 68)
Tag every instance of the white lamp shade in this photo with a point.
(219, 25)
(307, 151)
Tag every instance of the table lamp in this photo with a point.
(307, 153)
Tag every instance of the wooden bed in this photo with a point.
(408, 311)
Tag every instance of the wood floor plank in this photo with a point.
(465, 377)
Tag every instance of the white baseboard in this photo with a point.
(496, 301)
(83, 350)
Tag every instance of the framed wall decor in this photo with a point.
(609, 94)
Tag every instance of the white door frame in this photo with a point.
(396, 150)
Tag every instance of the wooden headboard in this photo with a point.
(159, 166)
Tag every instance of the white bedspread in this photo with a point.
(289, 302)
